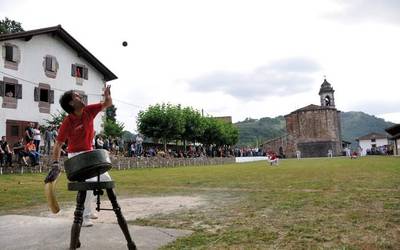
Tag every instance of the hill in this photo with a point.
(354, 124)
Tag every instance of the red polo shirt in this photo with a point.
(79, 131)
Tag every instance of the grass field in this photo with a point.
(302, 204)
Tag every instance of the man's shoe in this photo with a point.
(87, 223)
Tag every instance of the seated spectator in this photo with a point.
(19, 151)
(10, 94)
(5, 152)
(354, 155)
(30, 149)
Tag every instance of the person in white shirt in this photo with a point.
(37, 137)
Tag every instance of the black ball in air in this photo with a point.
(124, 43)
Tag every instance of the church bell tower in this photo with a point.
(326, 93)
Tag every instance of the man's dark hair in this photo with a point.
(64, 101)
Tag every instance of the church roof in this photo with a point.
(325, 87)
(312, 107)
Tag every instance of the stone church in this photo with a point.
(313, 130)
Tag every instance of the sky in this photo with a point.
(239, 58)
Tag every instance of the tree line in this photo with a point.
(167, 122)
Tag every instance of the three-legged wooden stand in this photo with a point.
(97, 187)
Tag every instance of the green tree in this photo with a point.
(162, 121)
(112, 128)
(230, 134)
(10, 26)
(194, 125)
(219, 133)
(56, 119)
(111, 113)
(212, 131)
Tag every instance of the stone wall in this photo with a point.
(122, 163)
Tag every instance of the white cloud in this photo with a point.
(280, 78)
(369, 10)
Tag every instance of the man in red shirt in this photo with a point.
(77, 129)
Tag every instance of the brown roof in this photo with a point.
(311, 107)
(372, 135)
(68, 39)
(394, 131)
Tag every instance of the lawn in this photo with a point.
(301, 204)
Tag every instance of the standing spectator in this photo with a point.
(132, 149)
(110, 144)
(298, 154)
(29, 132)
(48, 138)
(54, 130)
(99, 142)
(5, 152)
(116, 146)
(139, 147)
(106, 144)
(330, 153)
(37, 137)
(30, 149)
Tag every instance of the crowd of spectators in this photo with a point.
(28, 148)
(249, 152)
(381, 150)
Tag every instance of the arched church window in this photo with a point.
(327, 100)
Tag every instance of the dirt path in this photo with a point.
(133, 208)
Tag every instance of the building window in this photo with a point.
(11, 55)
(50, 66)
(373, 140)
(44, 96)
(80, 72)
(10, 90)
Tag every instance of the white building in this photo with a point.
(372, 141)
(36, 68)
